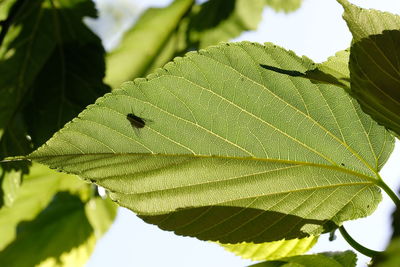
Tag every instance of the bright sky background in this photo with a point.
(315, 30)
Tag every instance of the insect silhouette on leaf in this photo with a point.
(136, 122)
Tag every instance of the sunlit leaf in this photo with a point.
(101, 214)
(272, 250)
(230, 151)
(365, 22)
(329, 259)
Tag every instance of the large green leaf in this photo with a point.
(229, 151)
(332, 259)
(272, 250)
(374, 65)
(144, 42)
(218, 20)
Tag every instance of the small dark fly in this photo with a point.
(136, 121)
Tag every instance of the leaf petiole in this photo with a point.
(390, 192)
(357, 246)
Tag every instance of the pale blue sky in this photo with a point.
(315, 30)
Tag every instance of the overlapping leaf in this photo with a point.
(333, 71)
(374, 63)
(230, 151)
(272, 250)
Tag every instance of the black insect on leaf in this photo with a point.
(136, 121)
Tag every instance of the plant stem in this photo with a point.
(357, 246)
(390, 192)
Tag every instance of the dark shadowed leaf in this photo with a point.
(218, 20)
(374, 63)
(375, 77)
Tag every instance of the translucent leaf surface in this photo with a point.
(365, 22)
(229, 151)
(272, 250)
(141, 45)
(331, 259)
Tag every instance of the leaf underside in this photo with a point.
(231, 152)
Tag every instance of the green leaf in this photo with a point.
(284, 5)
(374, 65)
(375, 77)
(333, 71)
(70, 80)
(140, 46)
(101, 214)
(52, 67)
(27, 45)
(218, 20)
(229, 151)
(32, 197)
(60, 235)
(272, 250)
(365, 22)
(331, 259)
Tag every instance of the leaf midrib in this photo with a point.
(371, 179)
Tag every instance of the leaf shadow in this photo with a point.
(237, 224)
